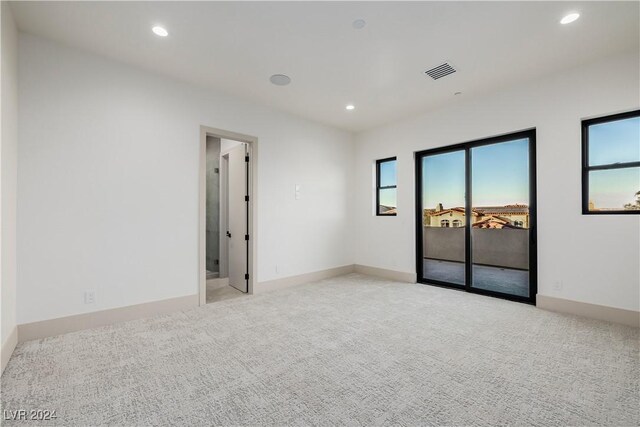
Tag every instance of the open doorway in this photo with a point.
(226, 240)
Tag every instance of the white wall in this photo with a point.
(108, 184)
(8, 175)
(595, 257)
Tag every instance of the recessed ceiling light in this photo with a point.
(350, 107)
(159, 31)
(570, 18)
(359, 24)
(280, 79)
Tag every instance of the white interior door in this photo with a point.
(237, 218)
(224, 216)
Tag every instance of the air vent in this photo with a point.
(440, 71)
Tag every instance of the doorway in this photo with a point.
(476, 216)
(226, 215)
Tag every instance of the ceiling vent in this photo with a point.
(440, 71)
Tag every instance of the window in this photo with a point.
(444, 223)
(386, 197)
(457, 223)
(611, 164)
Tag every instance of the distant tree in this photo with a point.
(635, 205)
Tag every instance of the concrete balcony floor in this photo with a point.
(498, 279)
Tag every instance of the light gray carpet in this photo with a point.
(352, 350)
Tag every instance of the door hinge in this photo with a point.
(246, 159)
(246, 276)
(246, 237)
(246, 198)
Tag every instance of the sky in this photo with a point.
(614, 142)
(500, 176)
(625, 133)
(388, 173)
(613, 188)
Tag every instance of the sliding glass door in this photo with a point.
(443, 217)
(476, 216)
(500, 212)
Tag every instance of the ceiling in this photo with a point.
(235, 47)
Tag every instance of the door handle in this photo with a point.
(532, 235)
(228, 234)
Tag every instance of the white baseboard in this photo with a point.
(592, 311)
(78, 322)
(400, 276)
(285, 282)
(7, 348)
(63, 325)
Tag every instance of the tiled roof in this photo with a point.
(486, 210)
(494, 222)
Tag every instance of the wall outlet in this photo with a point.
(89, 297)
(557, 285)
(298, 191)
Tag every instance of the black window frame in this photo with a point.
(586, 168)
(378, 187)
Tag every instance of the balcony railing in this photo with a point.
(507, 247)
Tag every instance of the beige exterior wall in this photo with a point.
(435, 220)
(523, 218)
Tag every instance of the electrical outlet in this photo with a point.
(89, 297)
(557, 285)
(298, 190)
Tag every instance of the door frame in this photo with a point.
(533, 251)
(252, 191)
